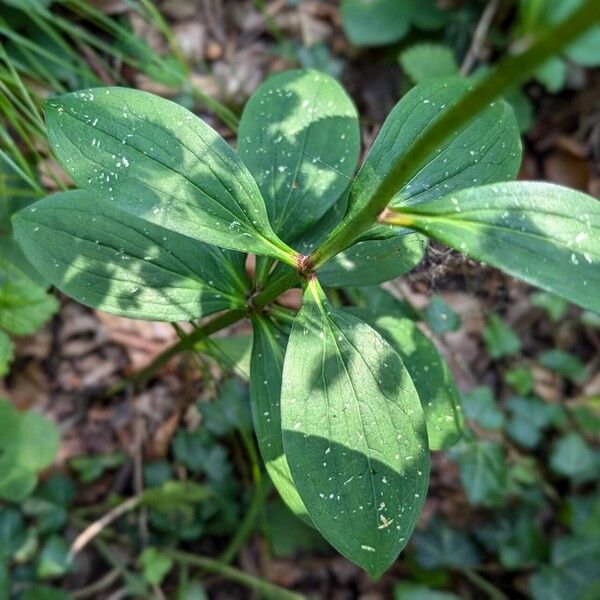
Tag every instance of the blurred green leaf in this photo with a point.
(415, 591)
(443, 546)
(174, 493)
(6, 353)
(520, 378)
(427, 61)
(529, 418)
(90, 468)
(53, 559)
(28, 444)
(155, 565)
(483, 470)
(440, 317)
(479, 406)
(500, 339)
(563, 363)
(573, 457)
(12, 532)
(555, 306)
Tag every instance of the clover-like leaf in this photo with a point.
(542, 233)
(266, 366)
(353, 433)
(158, 161)
(110, 259)
(299, 138)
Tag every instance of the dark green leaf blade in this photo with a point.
(156, 160)
(430, 374)
(300, 139)
(112, 260)
(268, 351)
(542, 233)
(353, 432)
(487, 149)
(375, 22)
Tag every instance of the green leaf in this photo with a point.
(430, 374)
(440, 317)
(441, 546)
(555, 306)
(500, 340)
(487, 149)
(566, 364)
(6, 353)
(28, 444)
(483, 470)
(373, 261)
(155, 565)
(375, 22)
(428, 61)
(415, 591)
(520, 379)
(172, 494)
(53, 560)
(529, 418)
(479, 406)
(24, 305)
(109, 259)
(553, 74)
(545, 234)
(573, 457)
(573, 571)
(268, 351)
(300, 139)
(232, 352)
(353, 433)
(158, 161)
(91, 467)
(13, 532)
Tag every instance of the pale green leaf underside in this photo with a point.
(156, 160)
(24, 305)
(369, 262)
(487, 149)
(544, 234)
(110, 259)
(300, 139)
(265, 390)
(354, 434)
(430, 374)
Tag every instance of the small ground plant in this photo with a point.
(348, 403)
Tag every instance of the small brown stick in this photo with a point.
(479, 36)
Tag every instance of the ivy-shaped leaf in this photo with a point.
(300, 139)
(353, 433)
(266, 366)
(542, 233)
(109, 259)
(158, 161)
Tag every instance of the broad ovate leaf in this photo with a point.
(487, 149)
(266, 366)
(430, 374)
(353, 433)
(110, 259)
(158, 161)
(542, 233)
(300, 139)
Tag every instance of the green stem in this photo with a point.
(484, 585)
(266, 589)
(511, 71)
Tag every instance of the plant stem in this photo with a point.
(510, 72)
(484, 585)
(266, 589)
(529, 54)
